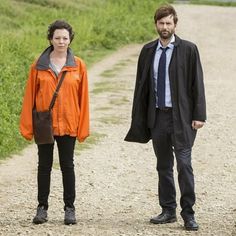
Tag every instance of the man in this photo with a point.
(169, 107)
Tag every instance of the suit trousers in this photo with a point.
(163, 145)
(65, 146)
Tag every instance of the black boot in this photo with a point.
(164, 217)
(41, 215)
(70, 216)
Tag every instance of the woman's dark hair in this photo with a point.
(59, 24)
(164, 11)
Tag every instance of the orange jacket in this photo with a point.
(70, 113)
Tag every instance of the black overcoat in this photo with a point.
(187, 94)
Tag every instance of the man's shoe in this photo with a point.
(41, 215)
(70, 216)
(164, 217)
(190, 224)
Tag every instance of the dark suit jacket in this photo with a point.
(187, 93)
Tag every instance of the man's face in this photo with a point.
(166, 27)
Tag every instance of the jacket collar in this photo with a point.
(155, 42)
(44, 59)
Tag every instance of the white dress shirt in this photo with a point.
(157, 56)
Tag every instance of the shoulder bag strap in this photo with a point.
(57, 90)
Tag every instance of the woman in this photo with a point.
(70, 114)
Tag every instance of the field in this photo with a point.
(101, 26)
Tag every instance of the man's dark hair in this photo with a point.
(164, 11)
(59, 24)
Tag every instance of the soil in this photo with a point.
(116, 181)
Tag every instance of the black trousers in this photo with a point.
(163, 140)
(65, 146)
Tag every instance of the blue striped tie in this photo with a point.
(161, 79)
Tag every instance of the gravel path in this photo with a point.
(117, 181)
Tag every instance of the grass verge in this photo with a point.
(100, 28)
(215, 3)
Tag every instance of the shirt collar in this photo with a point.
(170, 45)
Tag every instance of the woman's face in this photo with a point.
(60, 40)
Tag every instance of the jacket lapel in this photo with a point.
(148, 62)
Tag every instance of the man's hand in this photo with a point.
(197, 124)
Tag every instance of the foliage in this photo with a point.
(215, 2)
(101, 26)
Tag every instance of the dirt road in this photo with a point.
(117, 181)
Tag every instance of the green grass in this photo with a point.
(110, 86)
(101, 26)
(104, 108)
(115, 70)
(110, 120)
(213, 2)
(118, 102)
(109, 73)
(104, 86)
(93, 139)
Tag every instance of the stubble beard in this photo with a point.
(165, 35)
